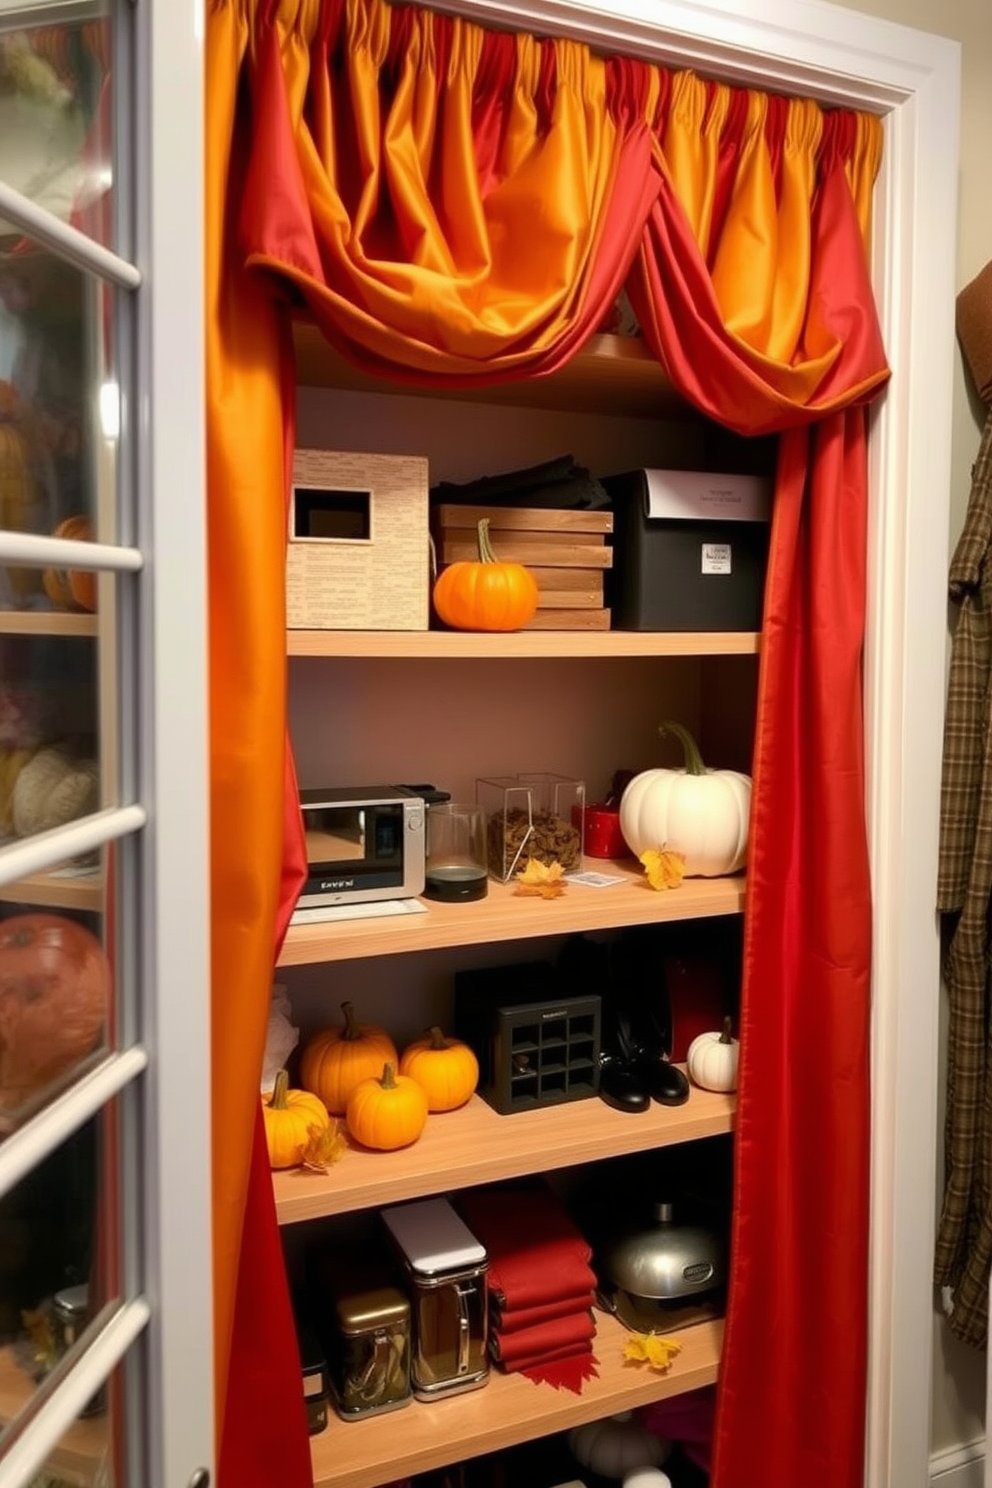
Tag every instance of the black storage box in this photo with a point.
(690, 550)
(536, 1044)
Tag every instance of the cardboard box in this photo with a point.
(358, 556)
(691, 548)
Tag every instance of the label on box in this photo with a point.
(699, 495)
(717, 558)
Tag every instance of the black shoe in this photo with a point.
(668, 1085)
(584, 964)
(643, 999)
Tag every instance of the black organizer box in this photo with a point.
(537, 1045)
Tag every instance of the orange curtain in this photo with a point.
(452, 203)
(752, 287)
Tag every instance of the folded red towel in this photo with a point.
(543, 1340)
(536, 1254)
(567, 1369)
(510, 1319)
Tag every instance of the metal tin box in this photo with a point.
(446, 1269)
(368, 1347)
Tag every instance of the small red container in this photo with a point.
(602, 837)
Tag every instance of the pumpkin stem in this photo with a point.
(726, 1037)
(438, 1040)
(278, 1101)
(351, 1029)
(693, 759)
(388, 1081)
(486, 554)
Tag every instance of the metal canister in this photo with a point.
(369, 1350)
(70, 1315)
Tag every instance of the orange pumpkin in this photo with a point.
(289, 1115)
(336, 1059)
(386, 1113)
(447, 1069)
(485, 594)
(55, 985)
(72, 588)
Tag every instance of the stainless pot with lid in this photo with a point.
(664, 1277)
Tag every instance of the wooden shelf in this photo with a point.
(611, 375)
(47, 623)
(80, 1452)
(520, 645)
(505, 915)
(509, 1409)
(56, 891)
(460, 1149)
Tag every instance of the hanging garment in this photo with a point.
(964, 891)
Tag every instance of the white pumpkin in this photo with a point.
(646, 1477)
(616, 1445)
(712, 1058)
(700, 813)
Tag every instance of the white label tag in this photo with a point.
(717, 558)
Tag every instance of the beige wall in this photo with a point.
(959, 1372)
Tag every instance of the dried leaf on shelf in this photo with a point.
(546, 880)
(326, 1146)
(651, 1349)
(664, 866)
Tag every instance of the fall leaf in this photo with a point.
(651, 1349)
(544, 879)
(664, 866)
(326, 1146)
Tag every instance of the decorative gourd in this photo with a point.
(700, 813)
(337, 1059)
(446, 1068)
(485, 594)
(646, 1477)
(711, 1059)
(55, 983)
(52, 788)
(616, 1445)
(289, 1115)
(387, 1113)
(72, 589)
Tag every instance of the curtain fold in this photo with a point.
(450, 203)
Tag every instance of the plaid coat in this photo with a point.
(964, 896)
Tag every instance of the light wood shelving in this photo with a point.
(504, 915)
(47, 623)
(508, 1410)
(611, 374)
(461, 1149)
(56, 891)
(520, 645)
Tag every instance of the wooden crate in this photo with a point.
(567, 552)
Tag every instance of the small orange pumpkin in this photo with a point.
(289, 1115)
(336, 1059)
(485, 594)
(387, 1113)
(446, 1068)
(72, 588)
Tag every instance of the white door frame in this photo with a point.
(912, 79)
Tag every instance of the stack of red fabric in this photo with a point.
(540, 1282)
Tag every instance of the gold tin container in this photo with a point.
(369, 1349)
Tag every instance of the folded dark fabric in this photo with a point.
(544, 1339)
(559, 483)
(510, 1319)
(536, 1253)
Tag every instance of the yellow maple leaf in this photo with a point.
(326, 1145)
(651, 1349)
(544, 879)
(664, 866)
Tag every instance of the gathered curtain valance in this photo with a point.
(449, 203)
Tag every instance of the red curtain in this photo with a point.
(793, 1375)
